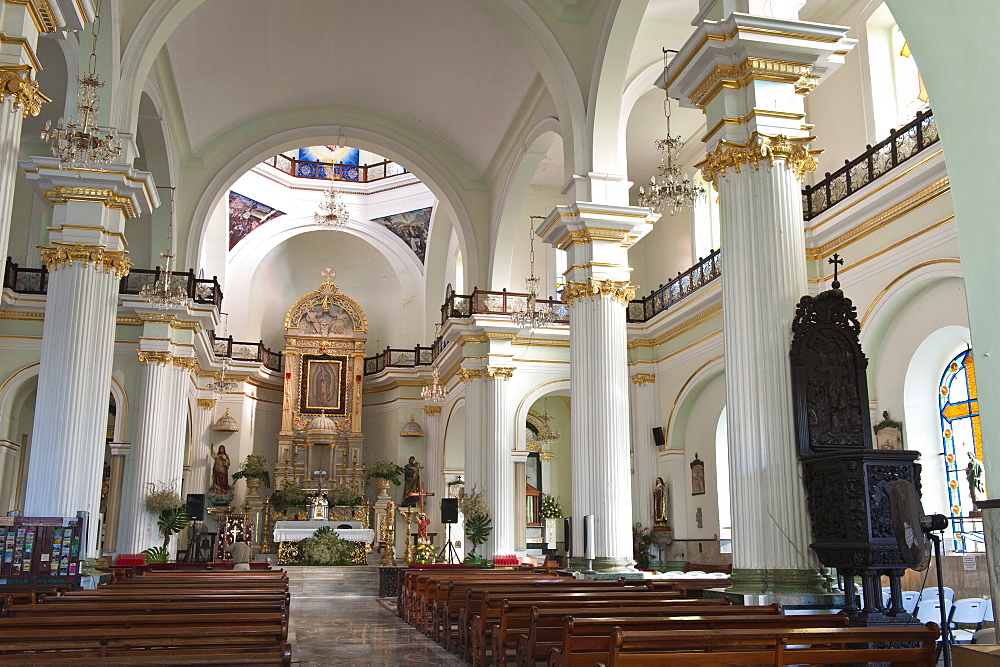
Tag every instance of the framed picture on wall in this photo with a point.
(697, 476)
(888, 433)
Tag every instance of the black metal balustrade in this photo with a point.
(403, 358)
(245, 351)
(496, 303)
(354, 173)
(199, 290)
(661, 298)
(903, 143)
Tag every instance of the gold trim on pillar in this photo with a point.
(502, 372)
(91, 255)
(467, 374)
(741, 75)
(432, 409)
(148, 356)
(641, 379)
(590, 234)
(187, 363)
(616, 289)
(793, 151)
(16, 81)
(207, 403)
(41, 14)
(111, 199)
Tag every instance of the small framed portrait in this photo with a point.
(697, 476)
(888, 433)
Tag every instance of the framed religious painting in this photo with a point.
(324, 385)
(888, 433)
(697, 476)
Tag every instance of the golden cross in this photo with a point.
(328, 274)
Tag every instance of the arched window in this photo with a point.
(897, 90)
(962, 439)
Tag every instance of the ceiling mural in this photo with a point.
(411, 226)
(246, 215)
(327, 155)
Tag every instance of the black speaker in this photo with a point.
(658, 436)
(196, 506)
(449, 510)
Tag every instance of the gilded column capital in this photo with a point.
(97, 257)
(111, 199)
(641, 379)
(187, 363)
(147, 357)
(796, 155)
(432, 409)
(502, 372)
(207, 403)
(616, 289)
(16, 82)
(467, 374)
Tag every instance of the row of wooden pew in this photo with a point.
(156, 618)
(502, 617)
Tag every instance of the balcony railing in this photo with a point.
(244, 351)
(36, 281)
(699, 275)
(497, 303)
(401, 358)
(355, 173)
(903, 143)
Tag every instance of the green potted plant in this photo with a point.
(384, 472)
(290, 496)
(478, 524)
(254, 471)
(172, 517)
(325, 547)
(343, 496)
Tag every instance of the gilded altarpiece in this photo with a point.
(321, 442)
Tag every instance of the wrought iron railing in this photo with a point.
(661, 298)
(36, 281)
(903, 143)
(400, 358)
(244, 351)
(355, 173)
(497, 303)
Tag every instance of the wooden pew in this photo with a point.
(753, 646)
(157, 607)
(415, 584)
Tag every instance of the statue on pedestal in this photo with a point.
(660, 503)
(412, 485)
(220, 469)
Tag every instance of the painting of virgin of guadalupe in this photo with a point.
(324, 389)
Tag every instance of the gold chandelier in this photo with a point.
(80, 142)
(434, 392)
(165, 292)
(533, 316)
(332, 213)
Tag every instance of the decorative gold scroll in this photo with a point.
(616, 289)
(16, 81)
(641, 379)
(91, 255)
(147, 357)
(796, 155)
(502, 372)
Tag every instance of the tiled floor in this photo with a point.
(345, 631)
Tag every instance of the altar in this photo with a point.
(294, 531)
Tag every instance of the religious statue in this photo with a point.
(660, 503)
(975, 474)
(220, 470)
(422, 523)
(412, 485)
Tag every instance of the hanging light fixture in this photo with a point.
(533, 315)
(80, 142)
(221, 385)
(545, 438)
(332, 213)
(673, 190)
(161, 294)
(435, 391)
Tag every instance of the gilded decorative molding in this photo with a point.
(207, 403)
(546, 456)
(147, 357)
(616, 289)
(641, 379)
(111, 199)
(432, 409)
(590, 235)
(794, 152)
(467, 374)
(41, 12)
(187, 363)
(16, 81)
(502, 372)
(66, 253)
(751, 69)
(472, 339)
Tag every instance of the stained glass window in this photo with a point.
(962, 440)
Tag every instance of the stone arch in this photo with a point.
(689, 392)
(456, 411)
(559, 386)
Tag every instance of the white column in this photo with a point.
(498, 471)
(112, 518)
(475, 441)
(434, 468)
(201, 434)
(758, 149)
(158, 446)
(596, 238)
(644, 454)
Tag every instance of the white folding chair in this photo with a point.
(886, 597)
(988, 618)
(910, 599)
(929, 611)
(967, 611)
(932, 594)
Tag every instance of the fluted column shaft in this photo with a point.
(158, 449)
(434, 469)
(200, 480)
(498, 470)
(644, 454)
(475, 439)
(74, 383)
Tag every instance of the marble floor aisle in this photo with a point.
(357, 631)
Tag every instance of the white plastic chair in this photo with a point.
(967, 611)
(989, 612)
(886, 597)
(910, 599)
(932, 594)
(929, 611)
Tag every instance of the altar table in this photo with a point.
(293, 531)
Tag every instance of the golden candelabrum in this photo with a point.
(409, 513)
(388, 536)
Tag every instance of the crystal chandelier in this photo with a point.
(435, 391)
(221, 385)
(533, 316)
(332, 213)
(80, 142)
(161, 294)
(673, 190)
(543, 440)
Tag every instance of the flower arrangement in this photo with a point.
(423, 554)
(549, 508)
(478, 524)
(326, 548)
(173, 513)
(343, 495)
(162, 498)
(254, 467)
(387, 470)
(289, 496)
(642, 539)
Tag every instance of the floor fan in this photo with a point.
(915, 532)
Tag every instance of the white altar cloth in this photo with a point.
(293, 531)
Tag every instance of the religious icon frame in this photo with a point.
(888, 434)
(335, 367)
(697, 476)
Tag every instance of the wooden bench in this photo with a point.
(84, 608)
(414, 588)
(435, 594)
(792, 645)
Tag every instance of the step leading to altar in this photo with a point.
(319, 581)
